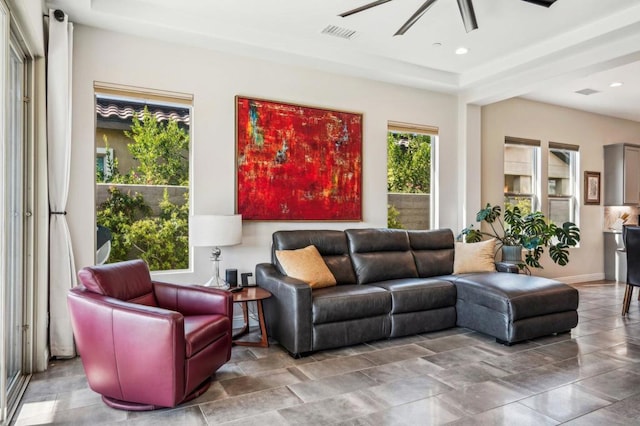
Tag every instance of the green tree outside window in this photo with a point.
(161, 151)
(408, 163)
(408, 168)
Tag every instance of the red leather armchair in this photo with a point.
(146, 344)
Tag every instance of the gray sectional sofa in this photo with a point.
(395, 283)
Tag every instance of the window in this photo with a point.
(142, 178)
(562, 183)
(409, 171)
(15, 220)
(522, 188)
(521, 174)
(104, 164)
(16, 205)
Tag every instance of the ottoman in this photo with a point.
(514, 307)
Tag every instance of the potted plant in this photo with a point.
(532, 232)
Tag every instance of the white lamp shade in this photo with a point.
(215, 230)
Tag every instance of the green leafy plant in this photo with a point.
(118, 213)
(163, 241)
(393, 220)
(161, 150)
(408, 163)
(532, 231)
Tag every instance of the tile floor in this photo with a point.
(459, 377)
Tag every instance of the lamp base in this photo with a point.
(217, 282)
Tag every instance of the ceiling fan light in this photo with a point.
(468, 15)
(414, 18)
(362, 8)
(545, 3)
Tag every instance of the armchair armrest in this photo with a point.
(118, 337)
(507, 267)
(288, 311)
(192, 299)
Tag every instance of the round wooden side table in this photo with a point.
(251, 294)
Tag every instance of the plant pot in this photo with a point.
(512, 254)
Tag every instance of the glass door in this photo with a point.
(14, 229)
(15, 218)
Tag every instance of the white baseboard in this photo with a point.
(581, 278)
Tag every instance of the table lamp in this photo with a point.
(215, 231)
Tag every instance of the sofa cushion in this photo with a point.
(306, 265)
(381, 254)
(332, 246)
(419, 294)
(518, 296)
(432, 251)
(346, 302)
(345, 333)
(475, 257)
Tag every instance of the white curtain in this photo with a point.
(62, 274)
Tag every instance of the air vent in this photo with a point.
(587, 92)
(339, 32)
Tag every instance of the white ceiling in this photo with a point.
(520, 49)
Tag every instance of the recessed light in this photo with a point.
(615, 84)
(462, 51)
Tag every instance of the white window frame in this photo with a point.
(138, 94)
(574, 182)
(400, 127)
(536, 190)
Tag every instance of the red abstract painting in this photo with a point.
(297, 163)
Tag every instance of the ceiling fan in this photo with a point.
(466, 10)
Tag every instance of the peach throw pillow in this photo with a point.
(306, 265)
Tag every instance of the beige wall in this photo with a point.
(544, 122)
(468, 159)
(214, 78)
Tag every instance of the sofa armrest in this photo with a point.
(288, 311)
(507, 267)
(116, 337)
(193, 299)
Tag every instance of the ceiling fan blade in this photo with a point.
(414, 18)
(365, 7)
(468, 15)
(545, 3)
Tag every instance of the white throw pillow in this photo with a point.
(474, 257)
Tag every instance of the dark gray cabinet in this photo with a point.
(621, 175)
